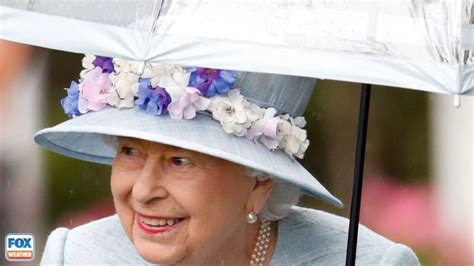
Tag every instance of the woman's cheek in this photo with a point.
(121, 188)
(121, 183)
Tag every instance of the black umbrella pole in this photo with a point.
(358, 174)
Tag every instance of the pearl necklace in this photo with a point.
(261, 246)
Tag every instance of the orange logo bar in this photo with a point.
(19, 254)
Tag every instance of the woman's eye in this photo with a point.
(129, 151)
(180, 161)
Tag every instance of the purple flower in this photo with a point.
(105, 63)
(69, 102)
(212, 81)
(153, 101)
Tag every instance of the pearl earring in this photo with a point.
(251, 217)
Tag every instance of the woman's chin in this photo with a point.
(158, 254)
(154, 259)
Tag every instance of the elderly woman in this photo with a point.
(203, 171)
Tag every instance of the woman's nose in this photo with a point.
(149, 186)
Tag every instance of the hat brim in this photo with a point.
(87, 138)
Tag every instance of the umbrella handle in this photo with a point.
(358, 174)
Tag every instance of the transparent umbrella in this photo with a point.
(422, 45)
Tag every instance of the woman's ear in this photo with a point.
(259, 194)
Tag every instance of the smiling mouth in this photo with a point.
(159, 222)
(154, 225)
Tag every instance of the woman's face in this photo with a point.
(179, 206)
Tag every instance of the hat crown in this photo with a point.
(287, 94)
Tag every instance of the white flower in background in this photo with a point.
(234, 112)
(188, 104)
(292, 137)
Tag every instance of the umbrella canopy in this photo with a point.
(424, 45)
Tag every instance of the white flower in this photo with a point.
(167, 76)
(123, 92)
(87, 64)
(233, 112)
(87, 61)
(124, 84)
(126, 67)
(292, 137)
(300, 121)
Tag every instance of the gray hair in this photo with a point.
(282, 197)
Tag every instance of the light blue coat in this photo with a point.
(305, 237)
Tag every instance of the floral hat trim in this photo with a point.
(181, 92)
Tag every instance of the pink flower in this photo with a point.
(403, 213)
(188, 104)
(94, 90)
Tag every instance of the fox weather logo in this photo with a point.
(20, 247)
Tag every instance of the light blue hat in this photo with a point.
(88, 137)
